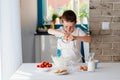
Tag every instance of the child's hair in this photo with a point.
(69, 16)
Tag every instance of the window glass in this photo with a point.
(80, 7)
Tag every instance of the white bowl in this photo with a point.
(44, 69)
(60, 61)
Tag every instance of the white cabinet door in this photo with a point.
(45, 46)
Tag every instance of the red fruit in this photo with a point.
(47, 63)
(41, 66)
(44, 63)
(47, 66)
(50, 65)
(38, 66)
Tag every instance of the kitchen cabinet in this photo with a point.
(45, 46)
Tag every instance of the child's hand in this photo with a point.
(68, 37)
(65, 37)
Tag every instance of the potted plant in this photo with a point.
(84, 12)
(54, 16)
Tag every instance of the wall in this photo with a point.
(0, 61)
(29, 23)
(106, 43)
(10, 38)
(0, 47)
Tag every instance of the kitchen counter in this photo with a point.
(105, 71)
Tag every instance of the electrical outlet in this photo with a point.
(105, 26)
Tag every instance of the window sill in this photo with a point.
(84, 27)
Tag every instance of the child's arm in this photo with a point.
(55, 32)
(83, 38)
(70, 37)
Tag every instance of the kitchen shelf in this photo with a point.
(84, 27)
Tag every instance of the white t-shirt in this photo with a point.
(71, 49)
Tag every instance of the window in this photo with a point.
(80, 7)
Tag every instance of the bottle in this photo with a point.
(52, 26)
(91, 66)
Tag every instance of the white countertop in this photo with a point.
(105, 71)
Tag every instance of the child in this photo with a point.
(69, 37)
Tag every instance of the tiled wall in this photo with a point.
(106, 43)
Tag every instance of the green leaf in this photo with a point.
(54, 16)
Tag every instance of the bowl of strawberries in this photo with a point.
(44, 66)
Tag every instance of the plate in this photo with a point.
(63, 73)
(60, 71)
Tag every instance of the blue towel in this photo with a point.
(58, 52)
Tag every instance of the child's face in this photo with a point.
(69, 26)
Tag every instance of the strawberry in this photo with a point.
(47, 66)
(41, 66)
(50, 65)
(47, 63)
(38, 66)
(44, 63)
